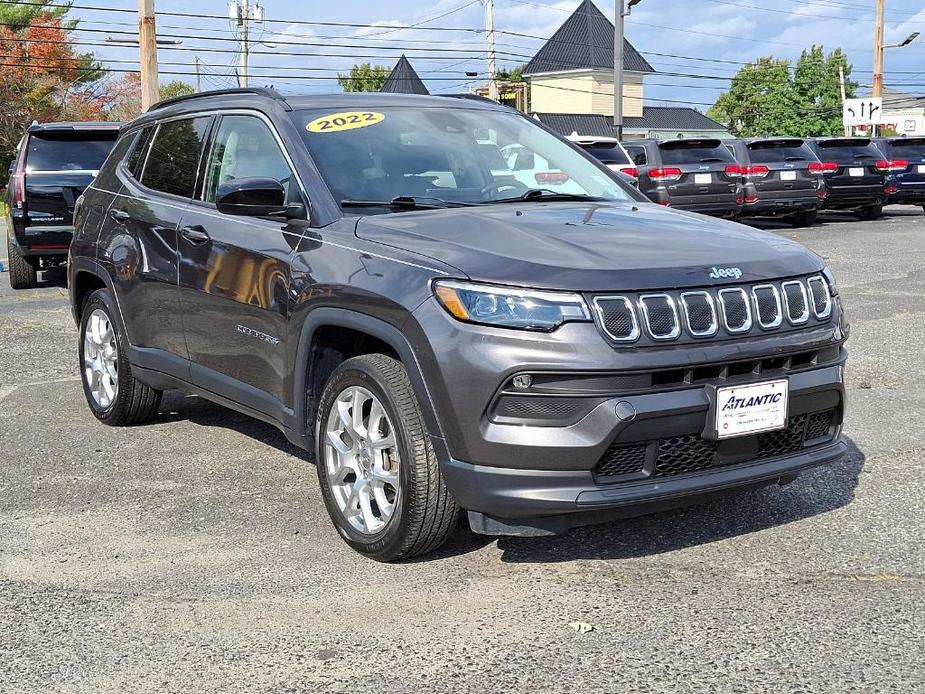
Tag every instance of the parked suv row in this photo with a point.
(361, 272)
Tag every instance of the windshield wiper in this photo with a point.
(546, 195)
(407, 202)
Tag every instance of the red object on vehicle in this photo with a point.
(891, 188)
(822, 194)
(824, 167)
(755, 171)
(734, 170)
(892, 165)
(19, 182)
(750, 199)
(630, 171)
(665, 204)
(551, 177)
(667, 174)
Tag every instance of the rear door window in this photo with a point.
(173, 162)
(683, 153)
(774, 152)
(69, 150)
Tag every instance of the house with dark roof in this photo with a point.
(403, 80)
(573, 71)
(571, 85)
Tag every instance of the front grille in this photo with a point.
(700, 313)
(622, 460)
(704, 313)
(689, 453)
(617, 317)
(737, 314)
(795, 300)
(767, 305)
(661, 316)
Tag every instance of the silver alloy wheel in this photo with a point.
(361, 460)
(101, 359)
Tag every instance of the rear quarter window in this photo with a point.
(68, 150)
(136, 159)
(173, 161)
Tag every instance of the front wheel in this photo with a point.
(377, 469)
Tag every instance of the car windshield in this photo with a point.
(446, 154)
(69, 151)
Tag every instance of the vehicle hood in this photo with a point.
(590, 246)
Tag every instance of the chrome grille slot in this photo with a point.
(796, 302)
(699, 314)
(821, 298)
(767, 306)
(617, 317)
(737, 314)
(661, 316)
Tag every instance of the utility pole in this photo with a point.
(490, 33)
(147, 42)
(878, 50)
(841, 83)
(622, 10)
(242, 13)
(198, 77)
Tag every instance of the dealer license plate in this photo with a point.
(703, 179)
(788, 175)
(751, 409)
(922, 168)
(857, 173)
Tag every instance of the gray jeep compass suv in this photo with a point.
(363, 272)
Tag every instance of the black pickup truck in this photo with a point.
(53, 165)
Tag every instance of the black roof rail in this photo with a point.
(268, 92)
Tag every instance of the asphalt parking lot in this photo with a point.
(194, 554)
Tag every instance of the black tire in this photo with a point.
(23, 274)
(425, 514)
(134, 402)
(804, 219)
(870, 213)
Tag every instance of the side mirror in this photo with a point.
(251, 197)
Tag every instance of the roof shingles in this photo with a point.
(584, 42)
(403, 80)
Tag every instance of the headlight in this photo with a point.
(830, 278)
(509, 307)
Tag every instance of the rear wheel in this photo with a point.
(378, 472)
(115, 396)
(868, 214)
(805, 219)
(23, 274)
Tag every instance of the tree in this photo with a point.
(513, 75)
(43, 78)
(175, 88)
(364, 77)
(771, 97)
(124, 95)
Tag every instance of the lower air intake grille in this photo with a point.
(689, 453)
(539, 407)
(622, 460)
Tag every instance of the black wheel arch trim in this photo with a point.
(337, 317)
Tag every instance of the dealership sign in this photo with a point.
(867, 111)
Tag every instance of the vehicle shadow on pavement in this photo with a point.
(177, 405)
(815, 492)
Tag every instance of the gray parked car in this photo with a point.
(357, 271)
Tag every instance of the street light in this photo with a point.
(909, 39)
(134, 42)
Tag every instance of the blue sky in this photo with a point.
(719, 30)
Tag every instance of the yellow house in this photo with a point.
(573, 71)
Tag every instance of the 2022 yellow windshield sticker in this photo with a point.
(346, 120)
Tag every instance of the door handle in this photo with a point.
(119, 215)
(195, 234)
